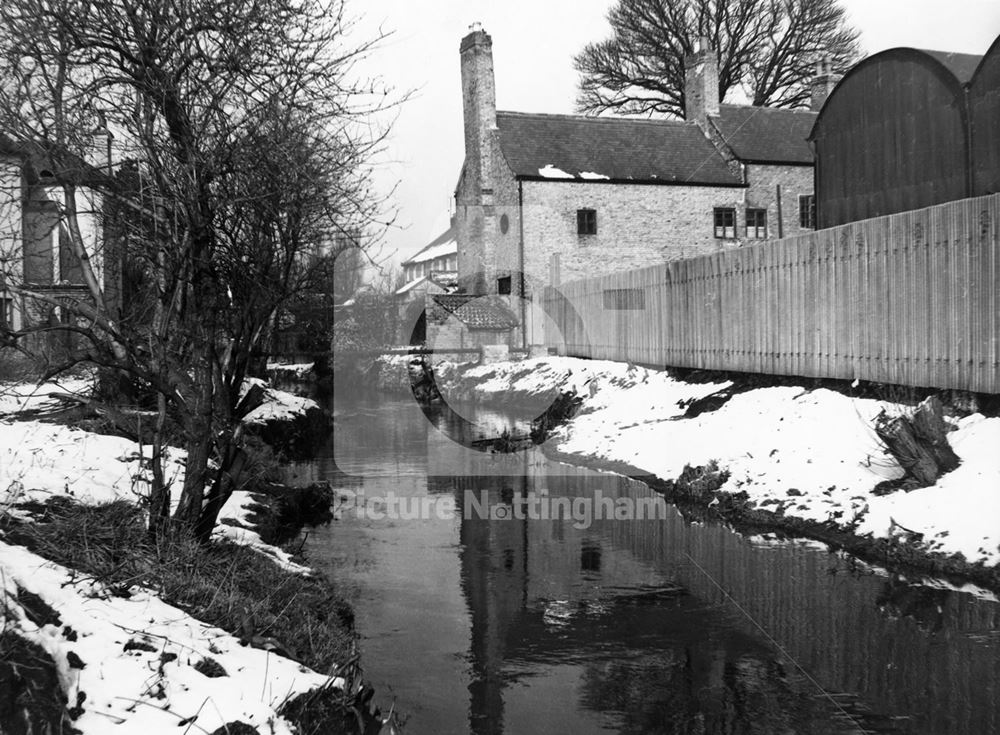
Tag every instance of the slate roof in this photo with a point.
(766, 134)
(476, 312)
(618, 149)
(963, 66)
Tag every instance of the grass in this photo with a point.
(226, 585)
(230, 586)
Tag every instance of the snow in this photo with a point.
(551, 172)
(132, 691)
(406, 287)
(591, 176)
(136, 691)
(441, 250)
(298, 369)
(811, 453)
(16, 397)
(278, 405)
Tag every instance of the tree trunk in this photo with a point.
(919, 443)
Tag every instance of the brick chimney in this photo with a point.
(480, 106)
(475, 207)
(822, 84)
(701, 82)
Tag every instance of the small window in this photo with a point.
(725, 223)
(503, 286)
(590, 558)
(586, 221)
(756, 224)
(624, 299)
(807, 212)
(6, 311)
(504, 224)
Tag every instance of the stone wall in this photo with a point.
(637, 225)
(795, 181)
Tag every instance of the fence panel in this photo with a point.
(909, 299)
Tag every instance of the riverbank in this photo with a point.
(791, 458)
(148, 639)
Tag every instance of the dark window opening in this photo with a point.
(590, 558)
(586, 221)
(6, 311)
(757, 224)
(503, 286)
(807, 212)
(619, 299)
(504, 224)
(725, 223)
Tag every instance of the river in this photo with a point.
(629, 625)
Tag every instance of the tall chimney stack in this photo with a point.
(822, 84)
(480, 105)
(701, 82)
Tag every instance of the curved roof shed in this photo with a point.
(984, 122)
(894, 135)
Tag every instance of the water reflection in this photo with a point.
(656, 626)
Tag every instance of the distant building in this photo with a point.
(905, 129)
(36, 250)
(545, 198)
(432, 271)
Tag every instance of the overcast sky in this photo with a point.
(533, 46)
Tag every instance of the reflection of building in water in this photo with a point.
(544, 591)
(644, 610)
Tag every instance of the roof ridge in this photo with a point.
(595, 118)
(766, 107)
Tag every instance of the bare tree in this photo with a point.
(767, 48)
(248, 134)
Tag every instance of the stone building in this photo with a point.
(433, 270)
(549, 198)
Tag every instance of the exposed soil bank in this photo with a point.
(763, 455)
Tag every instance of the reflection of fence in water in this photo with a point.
(907, 299)
(905, 651)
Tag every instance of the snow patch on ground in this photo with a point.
(812, 454)
(133, 691)
(300, 369)
(17, 397)
(278, 405)
(146, 691)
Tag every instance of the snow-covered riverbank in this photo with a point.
(126, 660)
(807, 456)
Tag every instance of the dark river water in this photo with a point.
(536, 625)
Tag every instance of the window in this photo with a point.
(725, 223)
(504, 224)
(590, 558)
(756, 224)
(619, 299)
(503, 286)
(807, 212)
(586, 221)
(6, 311)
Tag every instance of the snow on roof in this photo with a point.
(448, 247)
(595, 177)
(443, 245)
(405, 288)
(551, 172)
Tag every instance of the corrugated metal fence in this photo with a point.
(909, 299)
